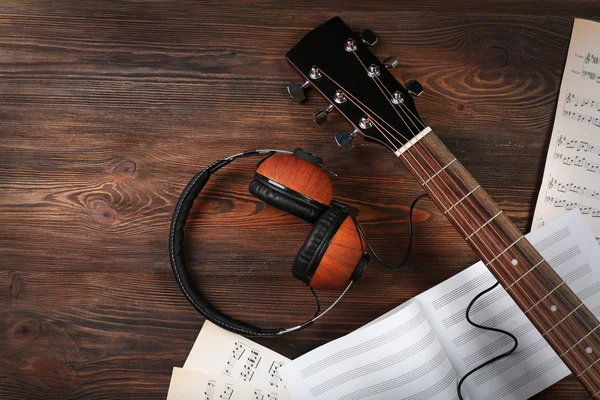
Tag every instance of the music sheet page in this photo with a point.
(572, 171)
(189, 384)
(221, 352)
(570, 248)
(398, 357)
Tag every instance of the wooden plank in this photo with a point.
(108, 108)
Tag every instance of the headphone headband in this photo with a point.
(176, 254)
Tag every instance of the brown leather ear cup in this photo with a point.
(297, 177)
(330, 253)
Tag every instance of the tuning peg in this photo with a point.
(320, 116)
(297, 91)
(368, 37)
(344, 140)
(390, 62)
(414, 87)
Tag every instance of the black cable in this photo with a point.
(410, 236)
(317, 300)
(394, 267)
(487, 328)
(362, 234)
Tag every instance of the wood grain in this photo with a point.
(302, 177)
(107, 108)
(340, 259)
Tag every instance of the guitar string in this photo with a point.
(533, 317)
(587, 332)
(366, 70)
(418, 174)
(376, 77)
(478, 211)
(436, 184)
(503, 246)
(504, 250)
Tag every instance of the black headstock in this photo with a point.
(336, 62)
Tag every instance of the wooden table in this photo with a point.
(107, 108)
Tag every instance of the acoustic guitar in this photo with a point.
(337, 63)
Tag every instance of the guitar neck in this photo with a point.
(552, 307)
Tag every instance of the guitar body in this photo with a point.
(337, 64)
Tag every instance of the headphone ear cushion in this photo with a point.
(310, 254)
(284, 201)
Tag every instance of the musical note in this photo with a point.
(569, 205)
(274, 372)
(210, 390)
(227, 392)
(581, 102)
(573, 162)
(250, 366)
(259, 396)
(237, 352)
(586, 119)
(590, 75)
(573, 188)
(579, 146)
(590, 58)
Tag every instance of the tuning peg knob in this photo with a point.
(390, 62)
(414, 87)
(344, 140)
(297, 91)
(320, 116)
(368, 37)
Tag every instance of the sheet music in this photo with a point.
(418, 349)
(221, 352)
(189, 384)
(569, 246)
(572, 172)
(398, 357)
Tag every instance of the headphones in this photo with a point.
(333, 255)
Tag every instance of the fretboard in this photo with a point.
(558, 314)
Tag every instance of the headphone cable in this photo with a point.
(468, 310)
(410, 236)
(487, 328)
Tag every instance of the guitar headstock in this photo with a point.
(338, 64)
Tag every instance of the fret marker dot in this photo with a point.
(553, 308)
(589, 350)
(515, 261)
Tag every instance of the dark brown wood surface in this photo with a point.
(107, 108)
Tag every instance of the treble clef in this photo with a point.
(551, 184)
(587, 58)
(560, 140)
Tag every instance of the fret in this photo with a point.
(484, 225)
(581, 340)
(591, 372)
(587, 369)
(525, 274)
(437, 173)
(504, 251)
(464, 197)
(564, 321)
(542, 299)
